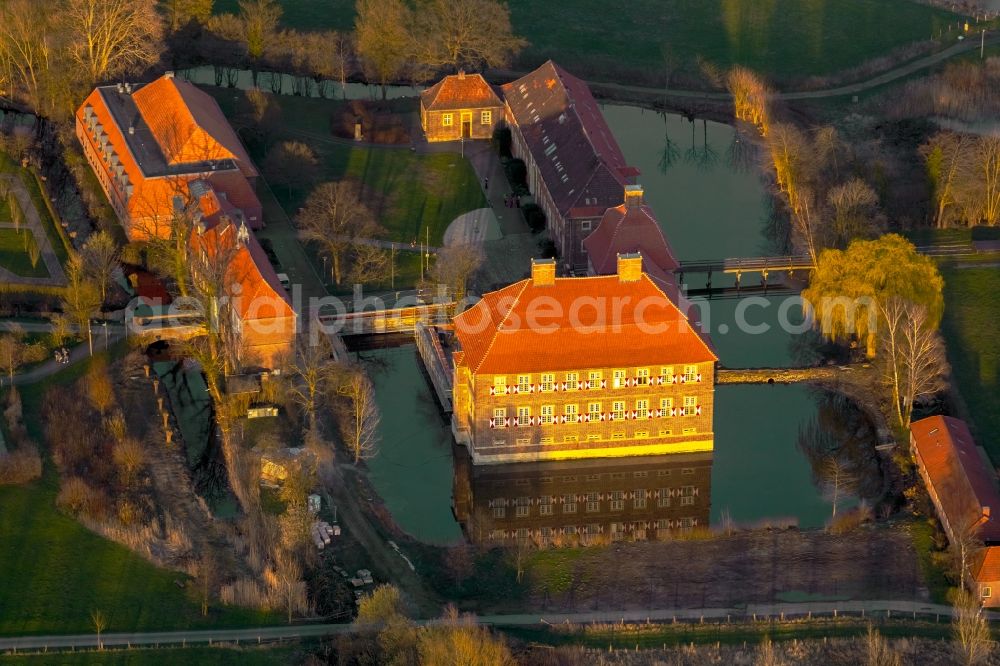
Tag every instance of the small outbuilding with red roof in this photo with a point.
(460, 106)
(963, 487)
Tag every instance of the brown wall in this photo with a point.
(522, 442)
(435, 129)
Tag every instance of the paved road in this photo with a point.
(900, 609)
(51, 367)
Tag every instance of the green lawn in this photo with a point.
(972, 311)
(56, 236)
(14, 257)
(56, 572)
(781, 37)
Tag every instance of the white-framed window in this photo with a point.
(522, 441)
(569, 504)
(618, 410)
(687, 501)
(593, 503)
(642, 376)
(666, 404)
(690, 431)
(523, 511)
(619, 378)
(572, 379)
(690, 373)
(664, 500)
(585, 225)
(571, 411)
(486, 117)
(667, 372)
(548, 414)
(690, 405)
(618, 435)
(447, 119)
(593, 437)
(618, 500)
(641, 434)
(499, 417)
(523, 383)
(523, 416)
(594, 411)
(547, 441)
(499, 511)
(639, 499)
(642, 408)
(547, 383)
(595, 377)
(499, 384)
(571, 438)
(545, 510)
(986, 592)
(687, 471)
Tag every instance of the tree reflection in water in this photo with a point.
(839, 444)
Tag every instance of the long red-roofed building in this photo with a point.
(264, 320)
(603, 366)
(964, 490)
(147, 142)
(576, 170)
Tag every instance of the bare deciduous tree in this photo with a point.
(912, 356)
(100, 622)
(109, 38)
(333, 218)
(751, 98)
(945, 155)
(455, 265)
(13, 351)
(369, 263)
(101, 257)
(291, 163)
(27, 46)
(82, 298)
(181, 12)
(878, 652)
(855, 211)
(464, 33)
(973, 639)
(312, 377)
(260, 20)
(360, 418)
(383, 38)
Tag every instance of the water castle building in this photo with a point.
(554, 368)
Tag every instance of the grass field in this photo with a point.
(972, 311)
(56, 237)
(14, 257)
(414, 196)
(781, 37)
(56, 572)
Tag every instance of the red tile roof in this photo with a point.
(986, 566)
(252, 281)
(569, 139)
(188, 124)
(459, 91)
(627, 230)
(534, 327)
(966, 488)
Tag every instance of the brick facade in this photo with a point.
(460, 105)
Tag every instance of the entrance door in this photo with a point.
(467, 124)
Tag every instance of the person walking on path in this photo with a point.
(486, 183)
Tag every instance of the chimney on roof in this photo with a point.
(461, 74)
(121, 87)
(986, 512)
(131, 129)
(169, 74)
(629, 267)
(633, 196)
(543, 272)
(128, 88)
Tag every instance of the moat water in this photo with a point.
(769, 440)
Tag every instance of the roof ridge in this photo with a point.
(496, 330)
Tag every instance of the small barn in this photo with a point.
(460, 105)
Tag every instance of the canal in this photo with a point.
(770, 441)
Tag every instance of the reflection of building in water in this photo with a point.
(583, 501)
